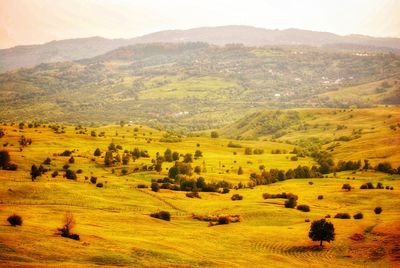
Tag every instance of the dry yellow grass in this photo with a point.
(116, 229)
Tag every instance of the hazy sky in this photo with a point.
(39, 21)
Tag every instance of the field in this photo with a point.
(115, 227)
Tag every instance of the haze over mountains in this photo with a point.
(75, 49)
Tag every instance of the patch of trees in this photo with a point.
(37, 171)
(217, 219)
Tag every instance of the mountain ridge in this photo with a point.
(81, 48)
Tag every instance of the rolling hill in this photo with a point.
(74, 49)
(191, 86)
(348, 134)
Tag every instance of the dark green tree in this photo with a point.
(322, 230)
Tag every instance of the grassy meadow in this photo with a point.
(115, 227)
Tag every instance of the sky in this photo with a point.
(25, 22)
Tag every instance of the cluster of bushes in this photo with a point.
(342, 216)
(281, 195)
(182, 183)
(250, 151)
(217, 219)
(162, 215)
(275, 175)
(23, 141)
(37, 171)
(379, 185)
(234, 145)
(346, 186)
(349, 165)
(278, 151)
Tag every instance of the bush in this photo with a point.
(364, 186)
(358, 216)
(142, 186)
(225, 190)
(99, 185)
(346, 186)
(379, 186)
(193, 195)
(236, 197)
(378, 210)
(304, 208)
(70, 175)
(342, 216)
(290, 203)
(15, 220)
(47, 161)
(93, 179)
(155, 187)
(54, 174)
(320, 197)
(223, 220)
(370, 185)
(310, 183)
(69, 224)
(162, 215)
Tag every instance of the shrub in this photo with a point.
(370, 185)
(378, 210)
(236, 197)
(93, 179)
(320, 197)
(358, 216)
(47, 161)
(54, 174)
(162, 215)
(223, 220)
(225, 190)
(379, 186)
(70, 175)
(193, 195)
(155, 187)
(290, 203)
(346, 186)
(69, 224)
(4, 158)
(15, 220)
(99, 185)
(364, 186)
(304, 208)
(142, 186)
(342, 216)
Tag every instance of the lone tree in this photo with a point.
(322, 231)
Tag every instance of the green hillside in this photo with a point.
(191, 86)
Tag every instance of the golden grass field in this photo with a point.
(116, 230)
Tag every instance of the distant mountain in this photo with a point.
(74, 49)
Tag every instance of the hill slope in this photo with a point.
(191, 85)
(73, 49)
(349, 134)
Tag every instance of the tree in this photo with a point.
(35, 172)
(240, 171)
(97, 152)
(188, 158)
(214, 134)
(71, 160)
(155, 187)
(108, 158)
(168, 155)
(175, 156)
(70, 175)
(197, 169)
(322, 231)
(198, 154)
(93, 133)
(4, 158)
(126, 158)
